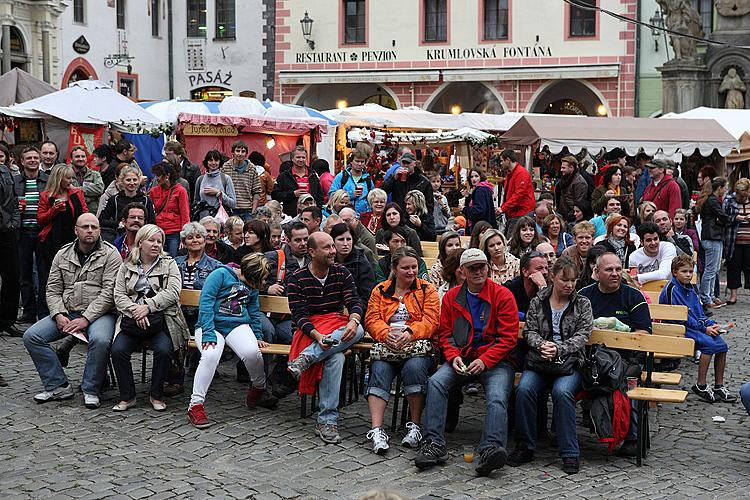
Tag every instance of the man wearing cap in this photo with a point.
(615, 158)
(407, 178)
(663, 191)
(518, 191)
(571, 189)
(478, 330)
(673, 172)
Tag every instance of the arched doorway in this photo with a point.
(78, 69)
(341, 95)
(568, 97)
(19, 58)
(473, 97)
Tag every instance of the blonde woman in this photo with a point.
(229, 315)
(60, 205)
(377, 198)
(147, 297)
(336, 201)
(416, 212)
(504, 266)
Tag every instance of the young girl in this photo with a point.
(704, 331)
(229, 314)
(525, 237)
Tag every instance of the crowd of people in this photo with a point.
(99, 256)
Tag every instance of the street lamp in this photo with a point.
(657, 23)
(307, 23)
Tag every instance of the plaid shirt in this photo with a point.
(730, 232)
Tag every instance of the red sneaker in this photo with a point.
(197, 417)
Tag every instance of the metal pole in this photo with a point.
(45, 55)
(6, 48)
(170, 49)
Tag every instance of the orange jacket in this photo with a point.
(421, 301)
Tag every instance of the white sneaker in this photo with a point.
(379, 440)
(91, 401)
(413, 436)
(58, 394)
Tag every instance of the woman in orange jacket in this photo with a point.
(60, 205)
(402, 316)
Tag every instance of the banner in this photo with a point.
(86, 136)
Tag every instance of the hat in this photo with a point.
(656, 164)
(408, 157)
(616, 154)
(460, 220)
(305, 197)
(473, 256)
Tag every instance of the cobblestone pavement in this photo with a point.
(62, 450)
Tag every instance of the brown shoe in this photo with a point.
(260, 397)
(171, 390)
(3, 383)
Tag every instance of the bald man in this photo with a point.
(548, 251)
(365, 239)
(682, 242)
(80, 299)
(318, 295)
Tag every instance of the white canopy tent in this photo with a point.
(735, 121)
(460, 135)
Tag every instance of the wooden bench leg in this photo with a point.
(143, 364)
(303, 406)
(642, 432)
(396, 401)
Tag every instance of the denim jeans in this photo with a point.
(37, 341)
(123, 348)
(333, 359)
(564, 390)
(33, 288)
(712, 250)
(498, 384)
(745, 396)
(414, 372)
(245, 214)
(172, 244)
(276, 332)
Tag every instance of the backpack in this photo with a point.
(280, 266)
(603, 372)
(345, 179)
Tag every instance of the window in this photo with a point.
(225, 27)
(583, 19)
(196, 18)
(706, 10)
(435, 20)
(78, 12)
(128, 87)
(355, 21)
(155, 17)
(120, 6)
(495, 19)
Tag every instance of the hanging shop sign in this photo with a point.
(210, 130)
(81, 45)
(431, 54)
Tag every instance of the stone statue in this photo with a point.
(732, 8)
(735, 88)
(682, 18)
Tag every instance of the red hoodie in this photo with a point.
(500, 333)
(667, 195)
(172, 210)
(519, 193)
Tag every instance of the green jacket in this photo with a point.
(93, 188)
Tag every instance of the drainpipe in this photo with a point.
(637, 84)
(45, 54)
(170, 49)
(6, 48)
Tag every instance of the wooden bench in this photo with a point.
(429, 249)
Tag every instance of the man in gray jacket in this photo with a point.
(79, 295)
(10, 220)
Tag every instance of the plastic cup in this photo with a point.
(468, 454)
(632, 383)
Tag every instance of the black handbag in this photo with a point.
(157, 323)
(559, 367)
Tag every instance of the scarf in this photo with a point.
(619, 246)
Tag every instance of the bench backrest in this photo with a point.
(666, 312)
(274, 304)
(643, 342)
(429, 249)
(190, 298)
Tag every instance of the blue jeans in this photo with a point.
(745, 396)
(123, 348)
(244, 214)
(564, 390)
(712, 263)
(172, 244)
(333, 365)
(498, 384)
(37, 341)
(276, 332)
(414, 372)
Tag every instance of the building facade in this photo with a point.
(452, 56)
(216, 46)
(29, 37)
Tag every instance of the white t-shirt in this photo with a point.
(654, 268)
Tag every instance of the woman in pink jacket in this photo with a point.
(172, 205)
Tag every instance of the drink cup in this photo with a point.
(468, 454)
(358, 191)
(632, 383)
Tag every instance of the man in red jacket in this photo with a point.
(518, 190)
(663, 189)
(478, 330)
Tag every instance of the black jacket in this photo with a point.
(363, 274)
(10, 217)
(109, 219)
(285, 186)
(398, 189)
(713, 219)
(189, 172)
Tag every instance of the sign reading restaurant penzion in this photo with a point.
(441, 54)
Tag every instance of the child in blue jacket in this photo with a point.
(229, 315)
(704, 331)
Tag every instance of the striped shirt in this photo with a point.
(29, 205)
(307, 295)
(246, 183)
